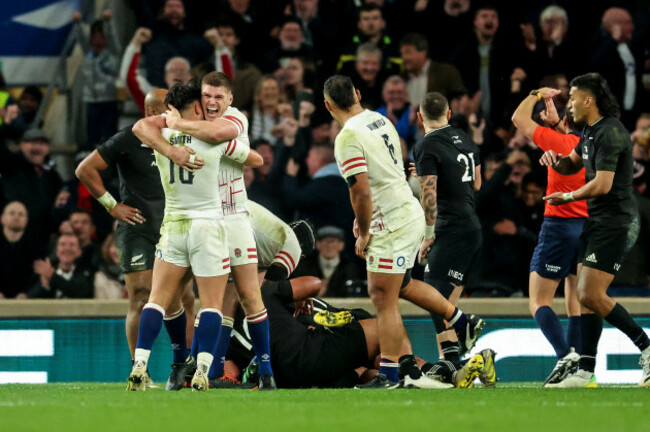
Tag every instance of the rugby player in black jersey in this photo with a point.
(605, 150)
(449, 169)
(140, 215)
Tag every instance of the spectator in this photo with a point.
(424, 75)
(109, 279)
(5, 98)
(442, 19)
(225, 39)
(64, 279)
(268, 110)
(368, 75)
(616, 57)
(291, 45)
(486, 65)
(29, 177)
(263, 187)
(398, 109)
(177, 69)
(172, 38)
(336, 273)
(84, 228)
(323, 196)
(551, 51)
(19, 117)
(17, 252)
(292, 83)
(499, 208)
(99, 71)
(371, 26)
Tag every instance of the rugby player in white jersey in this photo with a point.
(193, 233)
(389, 227)
(226, 124)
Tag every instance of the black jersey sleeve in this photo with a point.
(611, 143)
(279, 289)
(426, 159)
(117, 145)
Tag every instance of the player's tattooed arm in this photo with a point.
(428, 197)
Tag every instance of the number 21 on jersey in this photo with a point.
(470, 167)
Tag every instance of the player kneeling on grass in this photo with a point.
(192, 235)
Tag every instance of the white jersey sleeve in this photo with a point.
(231, 178)
(237, 152)
(349, 154)
(276, 241)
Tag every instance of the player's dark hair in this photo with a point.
(369, 7)
(181, 95)
(434, 106)
(571, 121)
(217, 79)
(597, 85)
(340, 90)
(418, 41)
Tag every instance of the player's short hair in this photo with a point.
(182, 95)
(597, 85)
(217, 79)
(416, 40)
(340, 90)
(434, 106)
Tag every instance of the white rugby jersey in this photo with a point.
(276, 241)
(231, 177)
(193, 195)
(369, 143)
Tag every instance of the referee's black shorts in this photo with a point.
(603, 246)
(137, 245)
(452, 256)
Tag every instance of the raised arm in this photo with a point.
(148, 131)
(213, 132)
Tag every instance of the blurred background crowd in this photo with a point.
(57, 241)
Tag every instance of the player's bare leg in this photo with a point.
(467, 327)
(188, 300)
(248, 288)
(450, 334)
(138, 286)
(166, 281)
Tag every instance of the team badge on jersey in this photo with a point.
(371, 259)
(238, 253)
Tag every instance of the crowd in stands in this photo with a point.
(57, 242)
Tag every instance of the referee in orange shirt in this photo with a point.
(556, 255)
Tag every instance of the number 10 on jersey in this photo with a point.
(470, 168)
(184, 176)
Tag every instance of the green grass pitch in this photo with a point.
(526, 407)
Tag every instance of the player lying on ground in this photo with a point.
(342, 354)
(192, 234)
